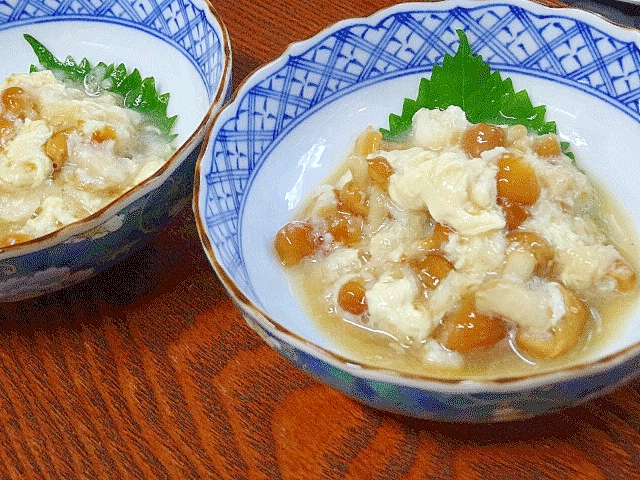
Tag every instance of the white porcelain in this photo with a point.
(295, 119)
(186, 48)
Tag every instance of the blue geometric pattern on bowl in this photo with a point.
(512, 39)
(186, 28)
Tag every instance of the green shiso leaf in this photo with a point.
(139, 93)
(466, 80)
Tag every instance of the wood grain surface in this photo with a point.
(149, 372)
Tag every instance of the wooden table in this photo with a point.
(149, 371)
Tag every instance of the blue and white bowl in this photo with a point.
(186, 48)
(295, 119)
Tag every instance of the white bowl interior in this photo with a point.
(111, 42)
(603, 137)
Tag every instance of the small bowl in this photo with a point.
(295, 119)
(186, 48)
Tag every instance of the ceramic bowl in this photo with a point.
(185, 47)
(295, 119)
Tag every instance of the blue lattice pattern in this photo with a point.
(177, 21)
(510, 38)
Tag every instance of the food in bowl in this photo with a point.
(196, 44)
(69, 144)
(293, 120)
(465, 249)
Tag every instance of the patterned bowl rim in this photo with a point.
(159, 176)
(354, 367)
